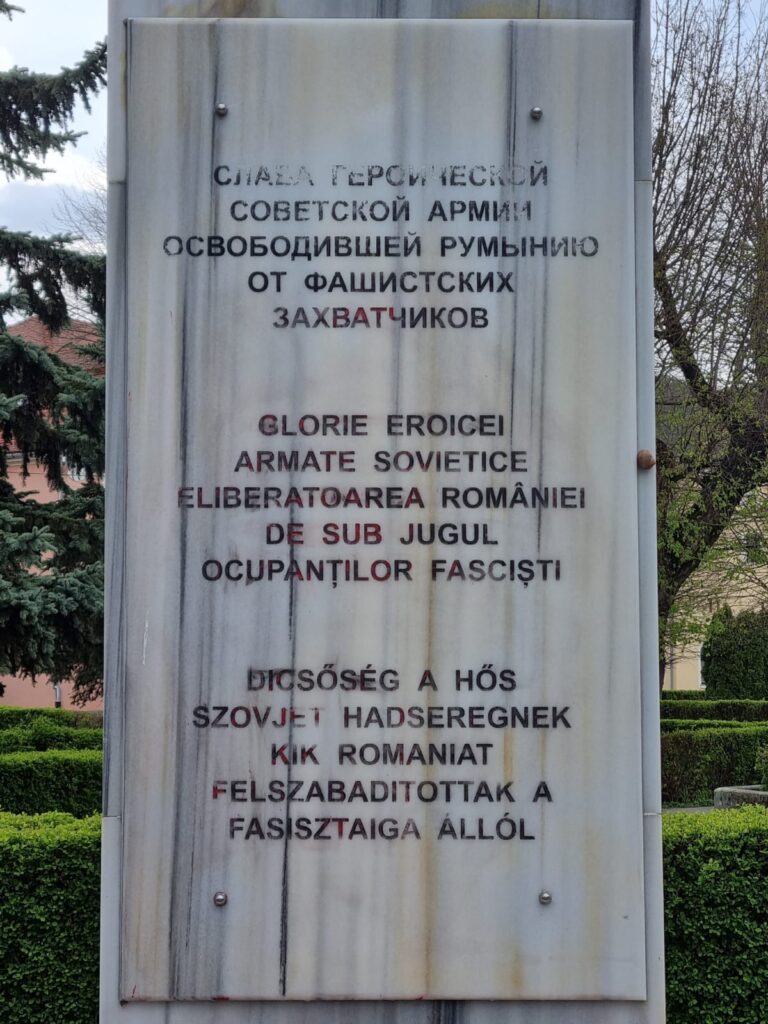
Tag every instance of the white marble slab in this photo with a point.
(403, 918)
(636, 11)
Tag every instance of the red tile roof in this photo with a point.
(64, 345)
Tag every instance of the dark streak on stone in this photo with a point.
(284, 893)
(293, 600)
(118, 504)
(265, 76)
(542, 386)
(398, 127)
(292, 592)
(510, 144)
(182, 904)
(214, 125)
(445, 1012)
(214, 43)
(293, 604)
(177, 904)
(386, 9)
(640, 84)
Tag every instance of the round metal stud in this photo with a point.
(545, 898)
(536, 113)
(220, 899)
(222, 109)
(645, 459)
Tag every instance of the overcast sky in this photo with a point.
(49, 34)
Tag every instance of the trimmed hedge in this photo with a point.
(715, 879)
(45, 735)
(49, 919)
(695, 724)
(694, 763)
(14, 718)
(51, 780)
(761, 766)
(735, 710)
(716, 916)
(683, 694)
(734, 655)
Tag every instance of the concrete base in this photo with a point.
(735, 796)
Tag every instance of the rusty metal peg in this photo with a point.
(645, 459)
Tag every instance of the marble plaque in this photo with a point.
(380, 602)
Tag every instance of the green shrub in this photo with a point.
(14, 718)
(695, 724)
(49, 919)
(51, 780)
(695, 762)
(734, 656)
(43, 734)
(761, 766)
(735, 710)
(683, 695)
(716, 916)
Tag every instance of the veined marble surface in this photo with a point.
(404, 918)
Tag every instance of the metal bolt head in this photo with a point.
(545, 898)
(220, 899)
(536, 113)
(645, 459)
(222, 109)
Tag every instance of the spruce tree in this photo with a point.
(51, 412)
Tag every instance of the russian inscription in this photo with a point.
(382, 606)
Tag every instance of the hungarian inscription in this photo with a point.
(385, 585)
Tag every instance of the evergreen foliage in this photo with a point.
(51, 413)
(734, 657)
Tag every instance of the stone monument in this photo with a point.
(381, 658)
